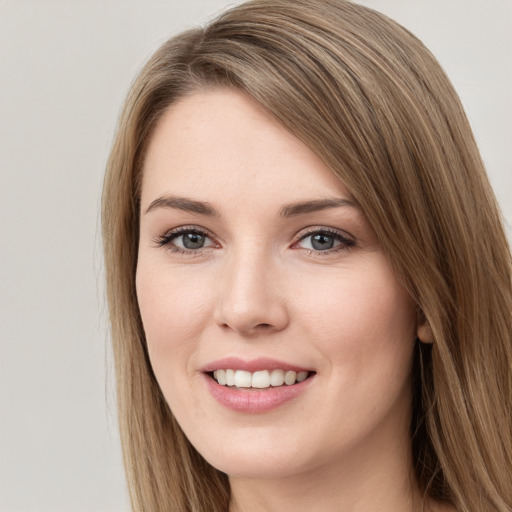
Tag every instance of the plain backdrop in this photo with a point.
(65, 67)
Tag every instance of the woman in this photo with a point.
(308, 280)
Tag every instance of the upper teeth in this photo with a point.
(260, 379)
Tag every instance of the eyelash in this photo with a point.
(345, 244)
(165, 240)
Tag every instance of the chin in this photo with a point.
(268, 458)
(257, 468)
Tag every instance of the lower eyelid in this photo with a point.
(326, 252)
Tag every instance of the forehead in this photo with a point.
(221, 144)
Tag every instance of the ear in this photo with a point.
(424, 332)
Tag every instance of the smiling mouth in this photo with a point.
(263, 379)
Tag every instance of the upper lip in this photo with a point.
(253, 365)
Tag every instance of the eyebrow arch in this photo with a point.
(183, 203)
(293, 209)
(289, 210)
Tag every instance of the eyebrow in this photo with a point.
(289, 210)
(183, 203)
(316, 205)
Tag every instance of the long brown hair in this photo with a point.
(374, 104)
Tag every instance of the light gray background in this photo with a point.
(65, 66)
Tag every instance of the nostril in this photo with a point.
(256, 328)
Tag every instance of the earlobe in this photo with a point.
(424, 333)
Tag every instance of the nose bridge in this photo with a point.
(250, 300)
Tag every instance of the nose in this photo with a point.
(251, 301)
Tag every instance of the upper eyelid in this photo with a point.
(300, 235)
(187, 229)
(302, 232)
(171, 234)
(323, 229)
(345, 239)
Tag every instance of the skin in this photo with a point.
(258, 288)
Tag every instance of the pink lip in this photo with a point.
(254, 365)
(253, 400)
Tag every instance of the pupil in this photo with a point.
(322, 242)
(193, 241)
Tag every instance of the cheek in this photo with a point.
(173, 310)
(364, 328)
(364, 322)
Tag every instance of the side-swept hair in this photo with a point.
(374, 104)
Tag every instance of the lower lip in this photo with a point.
(255, 400)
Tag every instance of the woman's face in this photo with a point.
(256, 266)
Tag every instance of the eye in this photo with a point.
(192, 240)
(185, 240)
(325, 240)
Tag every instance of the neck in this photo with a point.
(333, 493)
